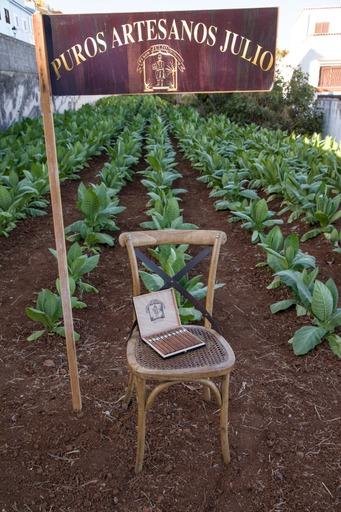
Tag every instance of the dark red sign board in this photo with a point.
(162, 52)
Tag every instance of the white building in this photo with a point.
(316, 47)
(16, 19)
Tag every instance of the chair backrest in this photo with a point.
(135, 239)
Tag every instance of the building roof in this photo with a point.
(25, 7)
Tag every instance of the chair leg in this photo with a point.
(140, 385)
(207, 394)
(224, 419)
(129, 391)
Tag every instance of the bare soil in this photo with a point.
(285, 411)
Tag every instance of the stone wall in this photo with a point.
(19, 89)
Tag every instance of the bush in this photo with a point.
(288, 106)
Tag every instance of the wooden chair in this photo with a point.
(214, 360)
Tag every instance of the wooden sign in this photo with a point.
(162, 52)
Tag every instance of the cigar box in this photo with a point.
(160, 326)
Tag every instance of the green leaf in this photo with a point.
(289, 277)
(322, 302)
(90, 203)
(300, 310)
(152, 282)
(261, 211)
(53, 252)
(60, 330)
(304, 293)
(311, 234)
(330, 284)
(322, 217)
(87, 288)
(249, 194)
(102, 238)
(291, 246)
(335, 217)
(274, 239)
(306, 338)
(5, 198)
(189, 314)
(37, 316)
(335, 344)
(335, 320)
(282, 305)
(35, 335)
(275, 283)
(74, 252)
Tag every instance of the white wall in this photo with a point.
(20, 18)
(311, 51)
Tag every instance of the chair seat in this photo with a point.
(214, 359)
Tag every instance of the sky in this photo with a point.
(288, 9)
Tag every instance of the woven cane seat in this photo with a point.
(215, 357)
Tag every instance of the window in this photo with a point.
(7, 18)
(321, 27)
(25, 25)
(17, 21)
(330, 78)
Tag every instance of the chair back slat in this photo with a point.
(172, 236)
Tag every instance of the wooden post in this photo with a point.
(56, 202)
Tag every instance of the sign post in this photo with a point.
(143, 53)
(56, 202)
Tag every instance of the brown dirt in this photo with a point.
(284, 410)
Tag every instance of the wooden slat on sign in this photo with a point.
(162, 52)
(58, 223)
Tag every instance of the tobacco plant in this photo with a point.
(301, 285)
(257, 218)
(326, 318)
(99, 207)
(80, 264)
(283, 253)
(326, 212)
(166, 215)
(48, 312)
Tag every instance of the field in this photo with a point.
(285, 410)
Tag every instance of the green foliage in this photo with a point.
(325, 212)
(301, 285)
(48, 312)
(236, 161)
(166, 215)
(326, 317)
(122, 156)
(80, 135)
(284, 253)
(335, 237)
(257, 217)
(288, 106)
(79, 265)
(99, 208)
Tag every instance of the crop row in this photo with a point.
(235, 180)
(165, 213)
(303, 173)
(80, 135)
(99, 205)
